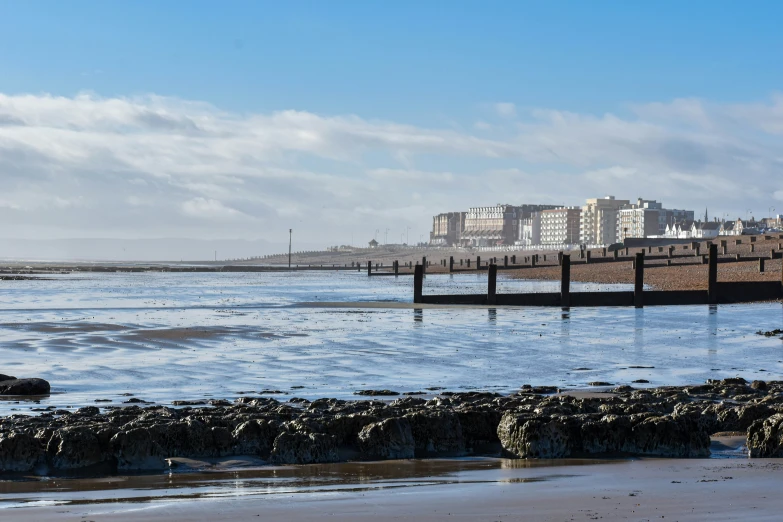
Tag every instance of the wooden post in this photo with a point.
(478, 262)
(560, 258)
(565, 280)
(451, 263)
(460, 262)
(671, 251)
(424, 264)
(626, 251)
(712, 276)
(359, 265)
(725, 249)
(369, 268)
(467, 261)
(604, 252)
(696, 250)
(752, 247)
(396, 268)
(533, 260)
(505, 261)
(418, 283)
(492, 284)
(587, 256)
(638, 287)
(616, 255)
(761, 265)
(514, 259)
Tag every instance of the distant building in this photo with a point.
(530, 230)
(447, 228)
(702, 230)
(498, 225)
(560, 226)
(641, 219)
(373, 243)
(669, 216)
(598, 222)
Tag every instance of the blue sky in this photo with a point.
(678, 80)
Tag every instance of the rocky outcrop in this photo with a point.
(13, 386)
(388, 439)
(765, 437)
(666, 421)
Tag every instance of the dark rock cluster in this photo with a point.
(668, 421)
(10, 385)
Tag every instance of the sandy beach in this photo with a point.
(482, 490)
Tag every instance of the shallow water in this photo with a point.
(164, 337)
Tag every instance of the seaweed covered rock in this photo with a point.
(765, 437)
(388, 439)
(304, 448)
(20, 452)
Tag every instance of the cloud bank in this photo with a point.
(150, 166)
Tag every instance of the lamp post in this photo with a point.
(290, 235)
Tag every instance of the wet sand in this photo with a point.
(491, 490)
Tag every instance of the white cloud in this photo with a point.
(203, 208)
(87, 165)
(506, 110)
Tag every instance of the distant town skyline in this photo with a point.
(342, 119)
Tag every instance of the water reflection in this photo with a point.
(418, 315)
(492, 315)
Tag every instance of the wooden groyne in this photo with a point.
(716, 293)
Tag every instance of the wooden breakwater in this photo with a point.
(716, 293)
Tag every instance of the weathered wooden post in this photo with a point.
(752, 247)
(626, 251)
(560, 258)
(492, 282)
(424, 263)
(514, 259)
(460, 261)
(761, 265)
(604, 252)
(737, 257)
(649, 249)
(533, 260)
(565, 280)
(418, 283)
(478, 262)
(616, 254)
(359, 264)
(505, 261)
(451, 264)
(671, 251)
(396, 268)
(587, 256)
(638, 287)
(696, 250)
(467, 263)
(369, 268)
(712, 276)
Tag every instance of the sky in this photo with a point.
(346, 121)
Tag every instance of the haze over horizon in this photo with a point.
(348, 120)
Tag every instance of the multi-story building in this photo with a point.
(498, 225)
(598, 222)
(641, 219)
(530, 230)
(670, 216)
(447, 228)
(560, 226)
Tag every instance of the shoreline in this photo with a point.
(500, 490)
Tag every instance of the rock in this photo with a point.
(20, 452)
(759, 385)
(668, 436)
(6, 377)
(536, 436)
(304, 448)
(76, 447)
(765, 437)
(255, 437)
(388, 439)
(136, 449)
(599, 383)
(376, 393)
(436, 433)
(24, 387)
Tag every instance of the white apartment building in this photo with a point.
(598, 222)
(642, 219)
(560, 226)
(530, 230)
